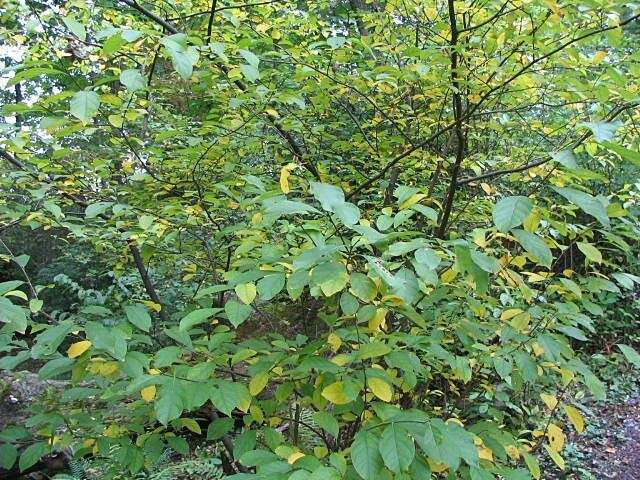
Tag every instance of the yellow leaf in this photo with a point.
(549, 400)
(556, 438)
(598, 57)
(380, 389)
(485, 186)
(575, 417)
(334, 341)
(513, 452)
(78, 348)
(335, 394)
(257, 383)
(156, 307)
(537, 349)
(448, 275)
(378, 321)
(510, 313)
(285, 173)
(485, 454)
(341, 359)
(294, 456)
(148, 393)
(246, 292)
(412, 200)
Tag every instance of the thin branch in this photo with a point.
(541, 161)
(475, 106)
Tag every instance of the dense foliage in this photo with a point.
(356, 239)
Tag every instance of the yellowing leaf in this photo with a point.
(575, 417)
(285, 173)
(378, 321)
(532, 465)
(550, 401)
(246, 292)
(257, 383)
(591, 252)
(556, 437)
(334, 341)
(337, 393)
(78, 348)
(148, 393)
(510, 313)
(512, 451)
(412, 200)
(156, 307)
(380, 389)
(598, 57)
(320, 452)
(191, 425)
(294, 456)
(537, 349)
(557, 459)
(485, 454)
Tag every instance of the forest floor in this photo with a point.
(608, 449)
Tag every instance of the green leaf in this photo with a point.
(534, 246)
(336, 42)
(329, 196)
(397, 448)
(631, 156)
(602, 131)
(566, 158)
(183, 57)
(9, 286)
(591, 252)
(588, 203)
(331, 277)
(270, 285)
(75, 27)
(111, 340)
(96, 209)
(169, 404)
(30, 456)
(219, 428)
(250, 72)
(132, 79)
(196, 318)
(13, 315)
(365, 455)
(371, 350)
(485, 262)
(84, 105)
(510, 212)
(138, 316)
(348, 304)
(363, 287)
(631, 355)
(8, 455)
(236, 312)
(427, 257)
(250, 57)
(327, 422)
